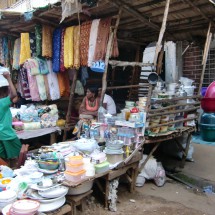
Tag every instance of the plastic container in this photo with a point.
(74, 176)
(189, 90)
(207, 132)
(208, 118)
(75, 167)
(82, 188)
(113, 159)
(102, 167)
(73, 160)
(208, 105)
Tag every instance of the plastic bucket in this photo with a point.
(207, 132)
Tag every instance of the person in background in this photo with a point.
(108, 103)
(90, 104)
(19, 101)
(10, 145)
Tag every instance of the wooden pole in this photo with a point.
(162, 31)
(205, 56)
(108, 53)
(125, 63)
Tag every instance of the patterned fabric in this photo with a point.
(33, 44)
(92, 40)
(41, 87)
(16, 53)
(63, 81)
(68, 47)
(43, 67)
(77, 47)
(102, 39)
(53, 83)
(33, 66)
(34, 92)
(56, 43)
(47, 87)
(38, 34)
(25, 52)
(1, 52)
(25, 84)
(5, 51)
(62, 68)
(84, 42)
(47, 41)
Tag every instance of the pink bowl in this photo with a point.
(210, 92)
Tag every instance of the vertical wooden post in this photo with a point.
(162, 31)
(205, 56)
(108, 53)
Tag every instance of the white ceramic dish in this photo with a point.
(7, 195)
(26, 206)
(45, 207)
(46, 171)
(50, 200)
(36, 187)
(54, 192)
(6, 209)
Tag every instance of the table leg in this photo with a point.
(52, 138)
(107, 185)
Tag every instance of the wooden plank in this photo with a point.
(124, 63)
(162, 31)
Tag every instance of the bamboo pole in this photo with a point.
(108, 53)
(124, 63)
(162, 31)
(205, 56)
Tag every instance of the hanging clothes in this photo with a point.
(1, 52)
(53, 83)
(84, 42)
(43, 67)
(47, 32)
(5, 51)
(41, 87)
(92, 40)
(25, 52)
(33, 66)
(33, 45)
(102, 39)
(68, 47)
(62, 68)
(115, 50)
(56, 44)
(47, 87)
(64, 86)
(25, 84)
(38, 34)
(16, 53)
(76, 47)
(34, 92)
(84, 75)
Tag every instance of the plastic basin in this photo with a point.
(207, 132)
(208, 105)
(210, 92)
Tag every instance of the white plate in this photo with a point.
(54, 192)
(50, 200)
(6, 209)
(45, 207)
(46, 171)
(36, 187)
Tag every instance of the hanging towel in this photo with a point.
(33, 44)
(102, 39)
(62, 68)
(56, 44)
(33, 65)
(16, 53)
(34, 92)
(1, 52)
(115, 50)
(43, 67)
(92, 40)
(47, 32)
(25, 52)
(38, 34)
(25, 84)
(63, 81)
(68, 47)
(53, 83)
(41, 87)
(84, 42)
(77, 47)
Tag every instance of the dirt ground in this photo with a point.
(172, 199)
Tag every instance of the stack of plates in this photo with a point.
(7, 197)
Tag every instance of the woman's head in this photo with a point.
(92, 92)
(4, 91)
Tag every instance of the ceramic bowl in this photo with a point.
(48, 165)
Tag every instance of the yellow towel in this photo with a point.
(76, 47)
(25, 51)
(68, 47)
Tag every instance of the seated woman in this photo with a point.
(90, 104)
(87, 111)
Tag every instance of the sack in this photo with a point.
(160, 177)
